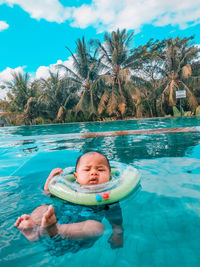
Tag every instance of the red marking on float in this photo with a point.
(106, 196)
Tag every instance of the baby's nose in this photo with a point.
(94, 171)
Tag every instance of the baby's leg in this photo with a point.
(83, 230)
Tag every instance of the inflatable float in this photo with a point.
(124, 179)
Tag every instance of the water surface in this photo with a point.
(161, 221)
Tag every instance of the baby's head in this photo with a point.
(92, 168)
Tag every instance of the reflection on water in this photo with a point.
(117, 148)
(130, 148)
(54, 129)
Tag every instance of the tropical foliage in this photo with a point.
(85, 75)
(176, 61)
(110, 80)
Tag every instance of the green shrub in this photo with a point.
(39, 120)
(176, 112)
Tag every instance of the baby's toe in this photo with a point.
(25, 217)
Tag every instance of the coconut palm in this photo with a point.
(31, 111)
(148, 78)
(57, 95)
(119, 60)
(85, 73)
(194, 80)
(175, 68)
(20, 91)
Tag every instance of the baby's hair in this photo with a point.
(92, 152)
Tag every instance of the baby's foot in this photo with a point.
(24, 222)
(48, 224)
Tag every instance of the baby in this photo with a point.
(91, 168)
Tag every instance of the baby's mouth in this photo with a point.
(93, 181)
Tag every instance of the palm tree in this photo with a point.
(175, 68)
(20, 91)
(119, 60)
(194, 80)
(148, 78)
(31, 111)
(85, 74)
(57, 95)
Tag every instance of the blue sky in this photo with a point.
(34, 33)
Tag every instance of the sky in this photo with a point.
(34, 34)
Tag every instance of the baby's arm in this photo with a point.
(53, 173)
(114, 216)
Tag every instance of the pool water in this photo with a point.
(161, 220)
(69, 129)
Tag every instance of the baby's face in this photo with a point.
(92, 169)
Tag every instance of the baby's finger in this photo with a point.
(55, 172)
(58, 170)
(20, 219)
(25, 217)
(17, 221)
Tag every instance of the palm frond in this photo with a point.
(186, 71)
(103, 101)
(191, 98)
(112, 107)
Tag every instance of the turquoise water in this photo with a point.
(71, 128)
(161, 221)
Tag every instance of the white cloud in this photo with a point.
(3, 26)
(50, 10)
(129, 14)
(3, 94)
(109, 14)
(6, 76)
(83, 17)
(43, 71)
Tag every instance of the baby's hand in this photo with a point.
(55, 172)
(24, 222)
(52, 174)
